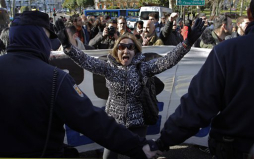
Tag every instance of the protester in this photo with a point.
(221, 94)
(96, 28)
(155, 18)
(74, 40)
(242, 23)
(168, 34)
(122, 26)
(138, 30)
(149, 36)
(122, 73)
(84, 18)
(179, 24)
(38, 99)
(163, 21)
(222, 28)
(81, 31)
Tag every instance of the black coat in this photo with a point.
(169, 36)
(25, 95)
(221, 94)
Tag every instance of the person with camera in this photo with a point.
(107, 38)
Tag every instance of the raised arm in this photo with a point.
(166, 30)
(173, 57)
(85, 61)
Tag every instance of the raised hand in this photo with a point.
(195, 32)
(62, 33)
(172, 17)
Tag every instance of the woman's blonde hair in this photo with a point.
(138, 47)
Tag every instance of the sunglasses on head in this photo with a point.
(122, 46)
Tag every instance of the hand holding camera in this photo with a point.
(105, 32)
(109, 31)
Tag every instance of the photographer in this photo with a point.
(106, 39)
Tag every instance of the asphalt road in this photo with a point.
(183, 151)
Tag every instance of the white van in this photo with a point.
(146, 10)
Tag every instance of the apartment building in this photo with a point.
(39, 4)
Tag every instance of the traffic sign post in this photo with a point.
(190, 2)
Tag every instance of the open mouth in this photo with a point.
(125, 58)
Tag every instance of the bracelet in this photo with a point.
(184, 45)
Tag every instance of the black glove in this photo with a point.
(153, 146)
(62, 33)
(161, 145)
(194, 32)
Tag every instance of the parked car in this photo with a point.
(59, 11)
(131, 22)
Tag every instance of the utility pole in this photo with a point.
(241, 9)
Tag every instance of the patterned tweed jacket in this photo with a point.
(123, 82)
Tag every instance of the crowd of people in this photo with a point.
(38, 99)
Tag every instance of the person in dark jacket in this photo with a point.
(221, 94)
(33, 108)
(82, 32)
(168, 33)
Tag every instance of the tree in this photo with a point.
(84, 3)
(70, 4)
(3, 4)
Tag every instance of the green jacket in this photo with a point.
(209, 39)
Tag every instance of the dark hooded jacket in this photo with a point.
(221, 94)
(26, 93)
(169, 36)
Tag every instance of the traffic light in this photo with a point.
(54, 11)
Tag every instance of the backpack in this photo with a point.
(148, 99)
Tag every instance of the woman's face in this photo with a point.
(126, 51)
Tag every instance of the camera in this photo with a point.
(111, 31)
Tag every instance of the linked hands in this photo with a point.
(151, 150)
(62, 34)
(195, 32)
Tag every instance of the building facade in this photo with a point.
(39, 4)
